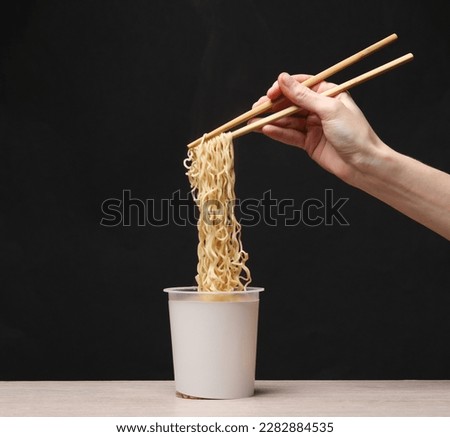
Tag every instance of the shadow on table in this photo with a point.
(268, 391)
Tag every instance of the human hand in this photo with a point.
(333, 131)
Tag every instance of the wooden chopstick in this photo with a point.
(330, 93)
(313, 80)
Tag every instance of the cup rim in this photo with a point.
(193, 290)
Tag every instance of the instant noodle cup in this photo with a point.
(214, 336)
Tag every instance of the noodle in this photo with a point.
(221, 259)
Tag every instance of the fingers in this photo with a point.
(261, 100)
(298, 123)
(292, 122)
(304, 97)
(291, 137)
(283, 123)
(287, 85)
(274, 92)
(276, 106)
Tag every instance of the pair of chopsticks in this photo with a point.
(313, 80)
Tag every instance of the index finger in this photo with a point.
(274, 91)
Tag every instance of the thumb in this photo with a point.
(303, 97)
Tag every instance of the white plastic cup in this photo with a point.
(214, 337)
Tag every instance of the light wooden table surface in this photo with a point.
(272, 398)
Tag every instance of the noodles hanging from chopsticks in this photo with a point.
(221, 258)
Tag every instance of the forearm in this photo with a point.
(413, 188)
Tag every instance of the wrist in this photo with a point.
(371, 165)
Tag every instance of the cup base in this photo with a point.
(178, 394)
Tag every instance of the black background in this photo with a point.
(102, 96)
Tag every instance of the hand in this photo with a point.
(333, 131)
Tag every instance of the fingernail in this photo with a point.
(258, 102)
(286, 78)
